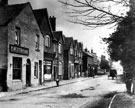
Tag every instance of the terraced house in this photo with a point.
(59, 55)
(69, 58)
(49, 54)
(21, 44)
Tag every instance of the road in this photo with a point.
(74, 95)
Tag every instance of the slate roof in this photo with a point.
(9, 12)
(68, 41)
(59, 35)
(41, 14)
(88, 54)
(75, 43)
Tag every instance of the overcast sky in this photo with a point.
(91, 38)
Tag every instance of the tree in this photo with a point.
(104, 64)
(94, 13)
(122, 42)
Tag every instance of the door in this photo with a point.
(40, 72)
(28, 73)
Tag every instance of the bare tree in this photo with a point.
(95, 13)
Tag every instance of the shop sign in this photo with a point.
(48, 62)
(19, 50)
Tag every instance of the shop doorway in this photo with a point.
(28, 73)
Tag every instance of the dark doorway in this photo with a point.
(28, 73)
(3, 80)
(55, 74)
(40, 72)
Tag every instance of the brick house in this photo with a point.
(49, 54)
(69, 58)
(21, 56)
(59, 55)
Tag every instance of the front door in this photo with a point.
(28, 73)
(40, 72)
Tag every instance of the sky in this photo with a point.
(91, 38)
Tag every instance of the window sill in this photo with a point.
(35, 77)
(37, 50)
(17, 80)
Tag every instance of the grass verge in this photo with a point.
(104, 102)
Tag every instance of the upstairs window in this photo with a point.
(47, 41)
(17, 35)
(60, 48)
(54, 47)
(36, 69)
(37, 42)
(71, 51)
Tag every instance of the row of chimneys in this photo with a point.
(52, 19)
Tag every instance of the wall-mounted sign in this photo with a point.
(47, 63)
(19, 50)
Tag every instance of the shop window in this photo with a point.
(17, 35)
(37, 42)
(36, 69)
(48, 67)
(17, 68)
(47, 41)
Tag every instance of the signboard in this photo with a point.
(19, 50)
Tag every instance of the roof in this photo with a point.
(75, 42)
(68, 41)
(9, 12)
(40, 15)
(58, 35)
(88, 54)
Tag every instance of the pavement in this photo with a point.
(46, 85)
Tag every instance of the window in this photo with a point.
(55, 47)
(37, 42)
(60, 48)
(71, 50)
(47, 41)
(17, 35)
(36, 69)
(17, 68)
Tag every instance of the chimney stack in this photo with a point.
(3, 2)
(53, 23)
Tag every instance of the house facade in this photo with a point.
(21, 58)
(76, 59)
(87, 63)
(80, 50)
(49, 54)
(59, 53)
(69, 58)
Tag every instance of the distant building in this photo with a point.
(87, 63)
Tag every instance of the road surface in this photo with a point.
(74, 95)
